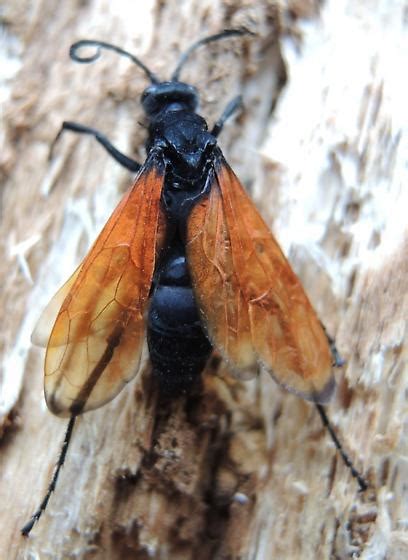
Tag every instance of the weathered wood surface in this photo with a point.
(244, 470)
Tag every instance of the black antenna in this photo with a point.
(184, 57)
(102, 45)
(25, 531)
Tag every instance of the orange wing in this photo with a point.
(97, 338)
(251, 302)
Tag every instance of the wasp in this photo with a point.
(187, 262)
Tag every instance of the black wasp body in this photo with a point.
(178, 346)
(250, 300)
(178, 138)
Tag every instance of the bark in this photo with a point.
(243, 470)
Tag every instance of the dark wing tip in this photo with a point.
(324, 395)
(317, 396)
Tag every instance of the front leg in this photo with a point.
(233, 106)
(122, 159)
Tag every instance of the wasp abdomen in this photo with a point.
(178, 346)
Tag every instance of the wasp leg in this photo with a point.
(233, 106)
(362, 482)
(34, 518)
(125, 161)
(338, 361)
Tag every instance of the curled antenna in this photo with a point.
(185, 56)
(102, 45)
